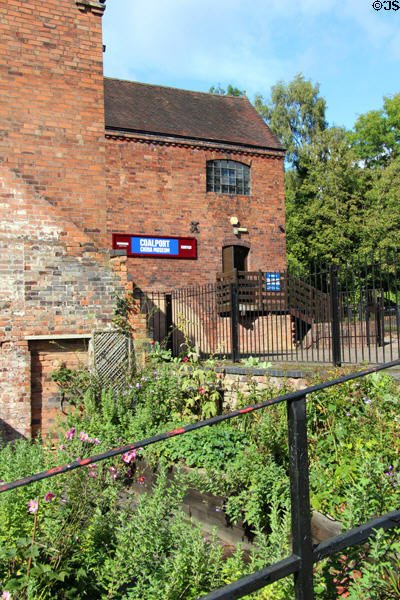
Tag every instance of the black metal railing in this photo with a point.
(300, 563)
(338, 313)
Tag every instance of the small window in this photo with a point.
(228, 177)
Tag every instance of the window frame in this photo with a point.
(225, 176)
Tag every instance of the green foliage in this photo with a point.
(211, 447)
(167, 557)
(376, 134)
(230, 91)
(295, 113)
(255, 362)
(327, 198)
(124, 307)
(98, 539)
(74, 383)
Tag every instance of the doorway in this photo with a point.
(234, 257)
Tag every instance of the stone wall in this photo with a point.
(242, 379)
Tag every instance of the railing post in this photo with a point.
(168, 321)
(234, 301)
(335, 317)
(300, 497)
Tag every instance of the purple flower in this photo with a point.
(70, 434)
(83, 436)
(6, 596)
(62, 447)
(141, 480)
(49, 497)
(138, 386)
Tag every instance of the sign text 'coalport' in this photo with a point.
(155, 246)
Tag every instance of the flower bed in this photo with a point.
(75, 538)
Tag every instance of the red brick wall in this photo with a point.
(45, 395)
(52, 105)
(158, 189)
(53, 281)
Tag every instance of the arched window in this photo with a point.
(228, 177)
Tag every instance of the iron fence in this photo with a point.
(301, 562)
(339, 313)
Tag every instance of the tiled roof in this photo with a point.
(165, 111)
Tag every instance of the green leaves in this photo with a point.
(296, 114)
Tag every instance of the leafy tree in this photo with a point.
(376, 136)
(230, 91)
(382, 215)
(296, 114)
(325, 200)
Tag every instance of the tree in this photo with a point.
(325, 204)
(382, 215)
(376, 136)
(296, 114)
(230, 91)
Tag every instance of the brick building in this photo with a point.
(86, 163)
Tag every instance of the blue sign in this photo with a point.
(155, 246)
(272, 282)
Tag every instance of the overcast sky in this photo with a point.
(350, 49)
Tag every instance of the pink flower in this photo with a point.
(152, 342)
(185, 359)
(129, 456)
(49, 497)
(63, 447)
(114, 472)
(6, 596)
(202, 391)
(141, 480)
(83, 436)
(33, 506)
(96, 441)
(70, 434)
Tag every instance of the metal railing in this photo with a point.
(300, 563)
(340, 314)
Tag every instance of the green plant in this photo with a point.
(158, 353)
(124, 307)
(255, 363)
(74, 383)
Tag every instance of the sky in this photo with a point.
(348, 47)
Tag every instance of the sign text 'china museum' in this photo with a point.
(155, 246)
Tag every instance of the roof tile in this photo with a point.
(165, 111)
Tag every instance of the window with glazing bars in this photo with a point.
(228, 177)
